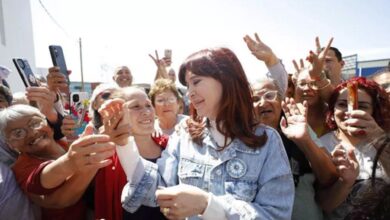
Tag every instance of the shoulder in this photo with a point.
(273, 138)
(269, 131)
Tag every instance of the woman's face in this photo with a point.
(29, 134)
(141, 113)
(341, 106)
(267, 104)
(166, 104)
(205, 94)
(304, 89)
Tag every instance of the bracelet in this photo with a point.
(326, 85)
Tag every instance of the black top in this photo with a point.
(298, 162)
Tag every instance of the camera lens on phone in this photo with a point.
(76, 98)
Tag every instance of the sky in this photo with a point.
(124, 32)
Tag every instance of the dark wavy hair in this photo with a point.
(374, 201)
(235, 117)
(380, 102)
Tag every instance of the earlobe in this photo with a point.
(342, 63)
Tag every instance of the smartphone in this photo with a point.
(25, 72)
(168, 53)
(79, 103)
(58, 59)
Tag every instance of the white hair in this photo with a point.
(264, 79)
(14, 112)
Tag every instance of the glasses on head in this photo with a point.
(105, 95)
(21, 133)
(310, 84)
(268, 96)
(162, 101)
(386, 86)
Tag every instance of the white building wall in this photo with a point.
(373, 63)
(16, 25)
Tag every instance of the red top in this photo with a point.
(109, 182)
(27, 171)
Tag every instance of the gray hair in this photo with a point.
(264, 79)
(14, 112)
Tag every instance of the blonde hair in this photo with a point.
(163, 85)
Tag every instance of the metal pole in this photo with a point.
(81, 65)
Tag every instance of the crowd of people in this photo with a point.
(286, 146)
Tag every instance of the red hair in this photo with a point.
(235, 117)
(380, 102)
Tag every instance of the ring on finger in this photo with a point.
(165, 211)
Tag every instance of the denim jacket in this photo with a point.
(250, 183)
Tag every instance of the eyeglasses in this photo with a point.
(268, 96)
(21, 133)
(162, 101)
(310, 84)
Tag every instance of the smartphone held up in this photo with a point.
(58, 59)
(25, 72)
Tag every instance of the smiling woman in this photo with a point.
(216, 165)
(165, 99)
(351, 138)
(54, 176)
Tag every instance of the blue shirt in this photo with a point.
(250, 183)
(14, 204)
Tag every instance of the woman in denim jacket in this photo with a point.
(220, 164)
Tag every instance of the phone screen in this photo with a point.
(25, 72)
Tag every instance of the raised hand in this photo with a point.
(261, 51)
(362, 125)
(161, 64)
(68, 127)
(181, 201)
(56, 80)
(294, 126)
(346, 164)
(45, 100)
(317, 59)
(300, 67)
(116, 122)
